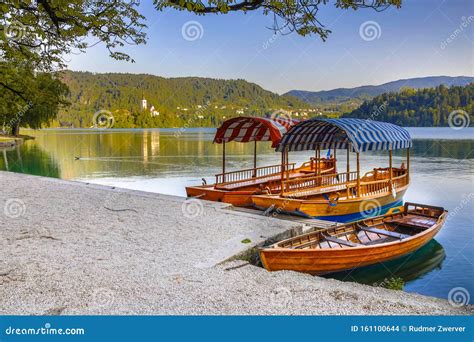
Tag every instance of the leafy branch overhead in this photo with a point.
(35, 38)
(42, 32)
(300, 16)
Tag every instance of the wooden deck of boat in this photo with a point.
(313, 223)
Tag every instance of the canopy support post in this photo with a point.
(282, 171)
(358, 174)
(287, 167)
(318, 160)
(390, 166)
(408, 165)
(255, 159)
(223, 161)
(348, 169)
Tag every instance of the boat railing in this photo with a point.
(253, 173)
(317, 183)
(378, 186)
(373, 182)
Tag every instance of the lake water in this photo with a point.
(166, 160)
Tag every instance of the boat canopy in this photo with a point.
(363, 135)
(245, 129)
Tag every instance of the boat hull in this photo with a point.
(344, 211)
(322, 261)
(241, 196)
(209, 193)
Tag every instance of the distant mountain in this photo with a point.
(180, 101)
(366, 92)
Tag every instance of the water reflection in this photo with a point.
(30, 159)
(409, 267)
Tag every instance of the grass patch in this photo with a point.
(246, 241)
(393, 283)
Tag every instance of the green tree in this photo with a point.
(36, 35)
(300, 16)
(32, 98)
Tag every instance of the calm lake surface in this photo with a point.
(166, 160)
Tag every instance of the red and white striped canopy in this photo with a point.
(245, 129)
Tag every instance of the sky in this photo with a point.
(422, 38)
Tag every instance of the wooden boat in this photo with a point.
(408, 267)
(345, 196)
(237, 187)
(382, 238)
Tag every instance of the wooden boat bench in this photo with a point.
(414, 221)
(341, 242)
(384, 232)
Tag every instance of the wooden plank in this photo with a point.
(413, 221)
(384, 232)
(341, 242)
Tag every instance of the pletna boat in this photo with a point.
(345, 196)
(237, 187)
(382, 238)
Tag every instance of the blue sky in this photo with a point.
(409, 42)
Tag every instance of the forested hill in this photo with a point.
(179, 101)
(423, 107)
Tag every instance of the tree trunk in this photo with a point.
(16, 129)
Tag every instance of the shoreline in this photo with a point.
(78, 249)
(6, 141)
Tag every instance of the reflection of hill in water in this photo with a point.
(433, 148)
(408, 267)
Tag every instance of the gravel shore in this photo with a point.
(74, 248)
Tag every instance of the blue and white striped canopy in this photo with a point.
(363, 135)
